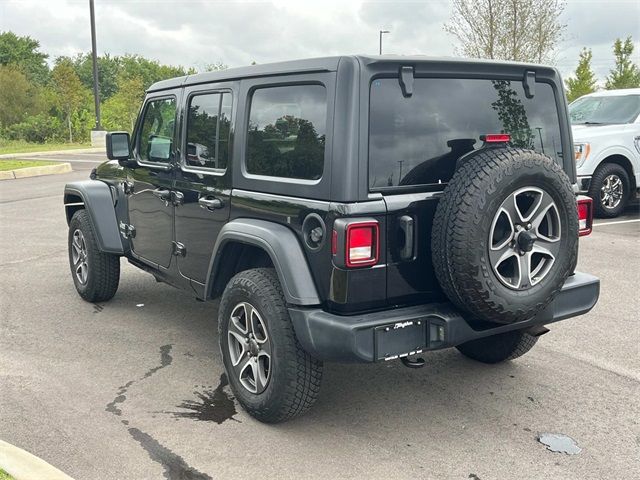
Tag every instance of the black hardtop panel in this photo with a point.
(373, 63)
(325, 64)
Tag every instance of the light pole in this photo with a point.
(381, 33)
(96, 93)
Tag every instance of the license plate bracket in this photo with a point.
(400, 339)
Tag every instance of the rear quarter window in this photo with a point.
(418, 140)
(286, 132)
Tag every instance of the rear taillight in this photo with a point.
(585, 215)
(362, 246)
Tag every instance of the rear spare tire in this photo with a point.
(505, 234)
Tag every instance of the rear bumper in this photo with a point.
(399, 332)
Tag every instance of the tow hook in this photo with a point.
(417, 363)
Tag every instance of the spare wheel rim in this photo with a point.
(524, 238)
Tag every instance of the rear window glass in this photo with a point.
(417, 140)
(286, 133)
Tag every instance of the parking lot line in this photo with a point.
(616, 223)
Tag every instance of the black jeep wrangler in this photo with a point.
(350, 209)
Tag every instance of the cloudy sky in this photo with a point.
(194, 33)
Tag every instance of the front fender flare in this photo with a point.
(96, 196)
(284, 249)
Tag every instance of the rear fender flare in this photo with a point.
(96, 199)
(284, 249)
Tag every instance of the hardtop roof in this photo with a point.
(326, 64)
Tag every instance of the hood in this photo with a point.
(589, 132)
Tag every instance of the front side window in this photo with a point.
(605, 110)
(418, 140)
(208, 130)
(156, 134)
(286, 133)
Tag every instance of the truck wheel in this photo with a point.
(498, 348)
(609, 190)
(270, 374)
(95, 274)
(505, 234)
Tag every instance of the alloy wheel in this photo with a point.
(79, 257)
(524, 238)
(611, 192)
(249, 348)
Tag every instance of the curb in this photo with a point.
(23, 465)
(53, 152)
(35, 171)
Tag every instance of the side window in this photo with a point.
(156, 135)
(286, 132)
(208, 130)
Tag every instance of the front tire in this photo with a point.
(609, 189)
(499, 348)
(269, 372)
(95, 274)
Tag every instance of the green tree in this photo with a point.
(625, 74)
(108, 71)
(24, 53)
(121, 110)
(150, 71)
(70, 93)
(17, 96)
(584, 81)
(520, 30)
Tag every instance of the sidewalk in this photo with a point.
(54, 152)
(22, 465)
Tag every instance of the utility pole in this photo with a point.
(381, 33)
(94, 54)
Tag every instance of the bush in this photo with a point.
(36, 129)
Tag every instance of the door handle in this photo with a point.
(407, 227)
(210, 203)
(162, 193)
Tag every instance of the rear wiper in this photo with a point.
(593, 123)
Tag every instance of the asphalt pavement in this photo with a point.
(134, 388)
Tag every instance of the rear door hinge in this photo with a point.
(127, 231)
(179, 250)
(127, 187)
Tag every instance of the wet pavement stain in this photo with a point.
(473, 476)
(557, 442)
(211, 406)
(120, 398)
(165, 360)
(175, 468)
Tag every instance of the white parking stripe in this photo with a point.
(615, 223)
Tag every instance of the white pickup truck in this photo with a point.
(606, 138)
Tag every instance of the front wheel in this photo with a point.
(499, 348)
(270, 374)
(609, 189)
(95, 274)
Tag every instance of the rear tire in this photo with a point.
(95, 274)
(610, 190)
(284, 380)
(499, 348)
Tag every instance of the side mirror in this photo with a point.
(118, 147)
